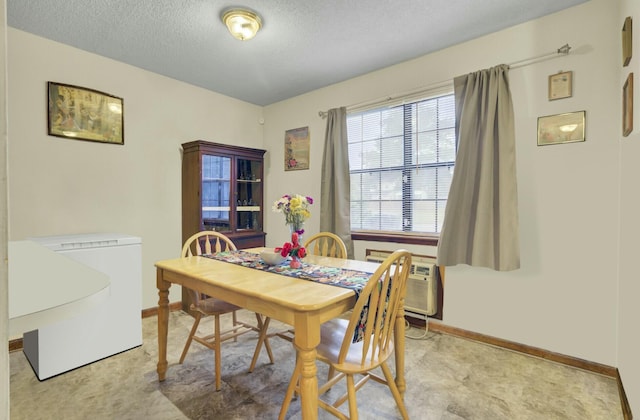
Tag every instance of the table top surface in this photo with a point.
(284, 291)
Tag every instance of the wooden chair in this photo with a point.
(381, 298)
(208, 242)
(326, 244)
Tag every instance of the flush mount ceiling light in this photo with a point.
(243, 24)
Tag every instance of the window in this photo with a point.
(401, 161)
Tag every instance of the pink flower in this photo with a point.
(302, 252)
(292, 248)
(285, 250)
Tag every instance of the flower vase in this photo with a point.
(296, 228)
(295, 262)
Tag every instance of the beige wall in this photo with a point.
(564, 297)
(629, 286)
(60, 186)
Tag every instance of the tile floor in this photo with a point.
(447, 378)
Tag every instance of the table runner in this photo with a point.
(350, 279)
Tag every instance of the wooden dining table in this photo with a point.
(303, 304)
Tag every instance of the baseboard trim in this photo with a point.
(624, 402)
(525, 349)
(175, 306)
(17, 344)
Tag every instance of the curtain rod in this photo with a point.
(564, 50)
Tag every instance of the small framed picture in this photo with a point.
(627, 37)
(84, 114)
(296, 149)
(561, 128)
(560, 85)
(627, 106)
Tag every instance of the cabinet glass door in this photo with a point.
(216, 193)
(249, 195)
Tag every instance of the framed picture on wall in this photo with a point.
(560, 85)
(627, 37)
(561, 128)
(84, 114)
(627, 106)
(296, 149)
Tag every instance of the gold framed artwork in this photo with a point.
(84, 114)
(627, 106)
(627, 37)
(561, 128)
(296, 149)
(560, 85)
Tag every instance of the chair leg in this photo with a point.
(332, 371)
(264, 325)
(290, 389)
(217, 351)
(234, 317)
(196, 322)
(267, 345)
(394, 390)
(353, 404)
(262, 338)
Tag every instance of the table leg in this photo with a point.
(309, 384)
(163, 323)
(307, 338)
(399, 349)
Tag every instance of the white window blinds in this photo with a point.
(401, 161)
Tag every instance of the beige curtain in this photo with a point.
(335, 206)
(481, 218)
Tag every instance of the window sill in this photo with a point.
(400, 238)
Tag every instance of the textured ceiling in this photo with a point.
(303, 45)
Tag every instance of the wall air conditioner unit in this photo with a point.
(421, 299)
(376, 258)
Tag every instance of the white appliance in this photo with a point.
(111, 327)
(421, 299)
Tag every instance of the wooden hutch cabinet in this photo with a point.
(222, 190)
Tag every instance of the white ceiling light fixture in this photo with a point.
(242, 23)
